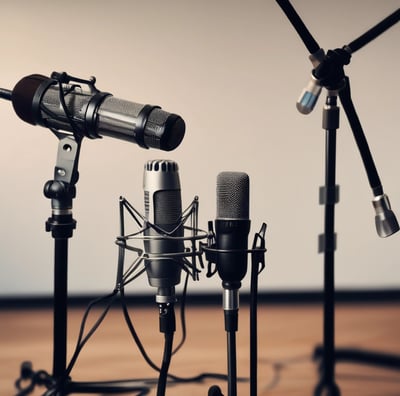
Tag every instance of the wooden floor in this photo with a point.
(287, 338)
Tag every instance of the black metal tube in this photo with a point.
(330, 123)
(361, 141)
(299, 26)
(232, 369)
(375, 31)
(253, 328)
(60, 307)
(329, 261)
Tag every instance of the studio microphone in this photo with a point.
(229, 253)
(310, 94)
(232, 226)
(61, 103)
(163, 227)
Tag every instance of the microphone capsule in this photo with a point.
(309, 96)
(385, 220)
(311, 92)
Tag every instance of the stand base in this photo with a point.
(327, 390)
(385, 360)
(31, 379)
(215, 391)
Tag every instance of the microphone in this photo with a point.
(385, 220)
(60, 103)
(163, 228)
(232, 226)
(310, 94)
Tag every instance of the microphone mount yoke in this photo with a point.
(330, 70)
(211, 252)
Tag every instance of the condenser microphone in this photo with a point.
(163, 227)
(310, 94)
(60, 104)
(232, 226)
(385, 219)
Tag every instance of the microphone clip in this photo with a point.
(186, 259)
(211, 252)
(330, 71)
(65, 78)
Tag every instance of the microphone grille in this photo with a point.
(162, 193)
(161, 166)
(233, 195)
(164, 130)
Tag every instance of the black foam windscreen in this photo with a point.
(23, 96)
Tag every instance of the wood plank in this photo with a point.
(288, 335)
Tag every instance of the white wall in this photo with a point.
(233, 70)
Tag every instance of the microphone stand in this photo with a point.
(61, 191)
(330, 74)
(231, 309)
(61, 224)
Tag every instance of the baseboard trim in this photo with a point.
(198, 299)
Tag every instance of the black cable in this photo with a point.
(75, 128)
(172, 377)
(162, 379)
(182, 316)
(81, 341)
(134, 334)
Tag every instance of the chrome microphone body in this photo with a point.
(163, 228)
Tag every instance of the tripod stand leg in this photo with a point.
(355, 355)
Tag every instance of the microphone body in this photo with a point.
(385, 220)
(163, 226)
(40, 100)
(232, 226)
(310, 94)
(232, 236)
